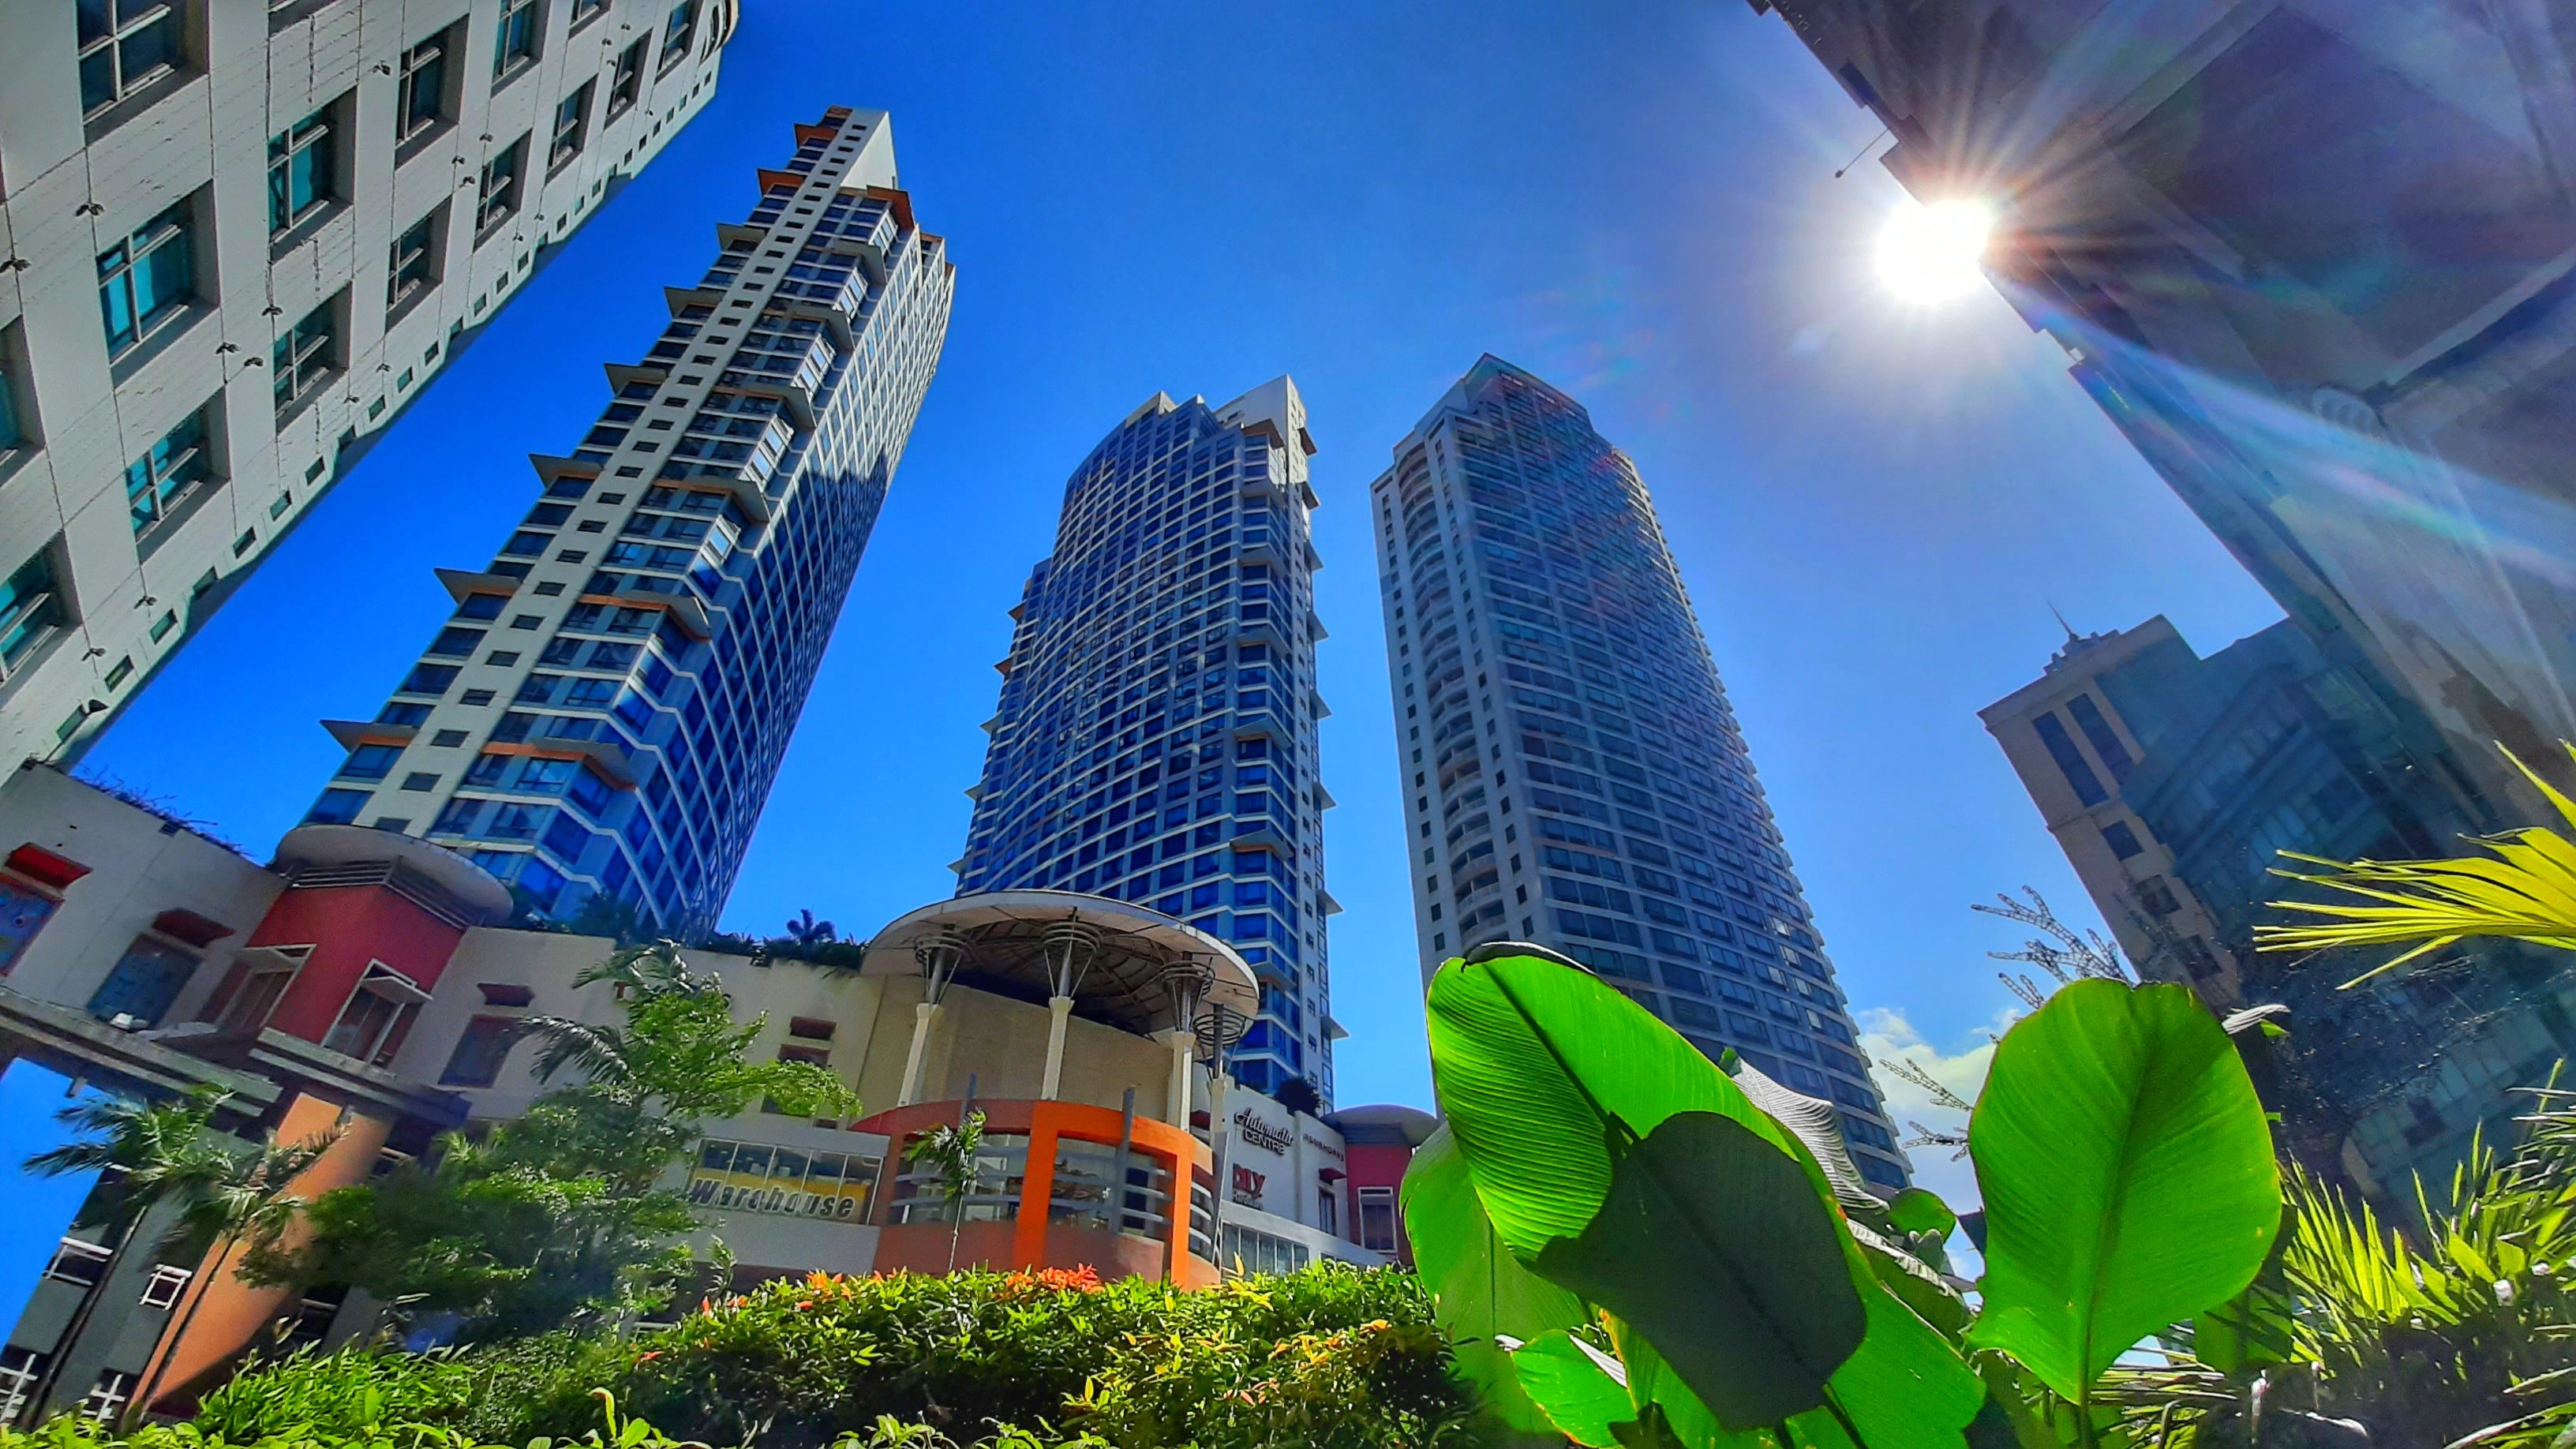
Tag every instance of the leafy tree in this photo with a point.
(560, 1216)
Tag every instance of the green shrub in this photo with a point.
(1328, 1358)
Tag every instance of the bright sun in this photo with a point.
(1931, 253)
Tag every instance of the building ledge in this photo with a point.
(352, 733)
(461, 582)
(83, 1047)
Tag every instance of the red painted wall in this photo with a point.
(1377, 1165)
(349, 926)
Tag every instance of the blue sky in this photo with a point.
(1874, 504)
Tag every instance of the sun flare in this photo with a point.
(1933, 253)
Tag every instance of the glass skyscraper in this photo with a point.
(1156, 737)
(1573, 774)
(601, 720)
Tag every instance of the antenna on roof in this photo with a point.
(1855, 161)
(2071, 636)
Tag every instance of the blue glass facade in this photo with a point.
(602, 719)
(1573, 774)
(1156, 740)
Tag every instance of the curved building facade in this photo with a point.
(1573, 774)
(1156, 740)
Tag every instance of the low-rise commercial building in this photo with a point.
(361, 980)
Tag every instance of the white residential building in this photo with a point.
(235, 239)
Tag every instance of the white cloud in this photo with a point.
(1886, 1033)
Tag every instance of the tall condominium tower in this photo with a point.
(1573, 773)
(235, 240)
(605, 713)
(1156, 737)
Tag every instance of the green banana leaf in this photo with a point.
(1571, 1384)
(2127, 1174)
(1713, 1244)
(1479, 1293)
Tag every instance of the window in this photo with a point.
(336, 807)
(246, 1007)
(413, 265)
(2070, 761)
(481, 1051)
(371, 1026)
(124, 45)
(584, 9)
(145, 280)
(299, 172)
(106, 1399)
(515, 44)
(301, 361)
(1377, 1219)
(498, 199)
(2122, 840)
(2097, 728)
(144, 983)
(166, 473)
(29, 609)
(572, 119)
(628, 82)
(420, 103)
(370, 762)
(163, 1288)
(11, 434)
(678, 31)
(19, 1370)
(23, 912)
(747, 1177)
(79, 1261)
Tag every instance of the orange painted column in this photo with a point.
(220, 1316)
(1037, 1190)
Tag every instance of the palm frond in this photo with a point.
(2522, 889)
(656, 969)
(597, 1052)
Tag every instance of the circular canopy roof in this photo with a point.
(352, 845)
(1005, 936)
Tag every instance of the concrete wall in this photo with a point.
(140, 865)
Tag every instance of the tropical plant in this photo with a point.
(1628, 1248)
(951, 1151)
(227, 1199)
(1299, 1095)
(145, 1153)
(2522, 889)
(371, 1429)
(559, 1215)
(149, 1154)
(804, 930)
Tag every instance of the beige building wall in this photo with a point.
(141, 865)
(117, 598)
(2120, 889)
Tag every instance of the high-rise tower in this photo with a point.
(605, 713)
(1573, 774)
(1156, 737)
(236, 240)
